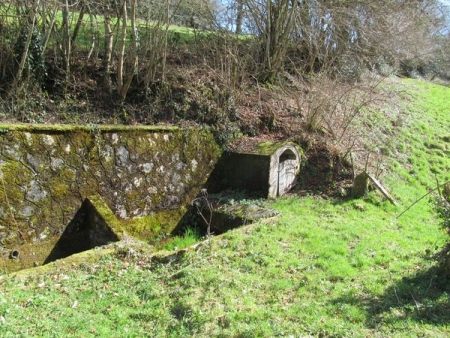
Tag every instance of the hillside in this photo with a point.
(326, 266)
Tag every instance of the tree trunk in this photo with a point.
(78, 25)
(24, 57)
(133, 57)
(67, 45)
(49, 28)
(108, 54)
(93, 38)
(239, 16)
(121, 56)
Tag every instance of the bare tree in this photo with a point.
(341, 36)
(273, 21)
(126, 70)
(23, 59)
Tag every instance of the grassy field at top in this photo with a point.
(92, 28)
(328, 268)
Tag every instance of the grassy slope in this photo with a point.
(323, 267)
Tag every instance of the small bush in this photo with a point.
(442, 206)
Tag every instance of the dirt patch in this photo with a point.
(324, 172)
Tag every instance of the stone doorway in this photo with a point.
(288, 166)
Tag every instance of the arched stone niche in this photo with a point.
(284, 169)
(265, 169)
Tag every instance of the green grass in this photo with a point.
(189, 237)
(146, 29)
(150, 33)
(324, 268)
(426, 158)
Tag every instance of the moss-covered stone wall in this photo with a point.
(146, 176)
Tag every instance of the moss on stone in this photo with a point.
(269, 147)
(69, 163)
(151, 226)
(108, 216)
(30, 255)
(143, 227)
(4, 128)
(68, 262)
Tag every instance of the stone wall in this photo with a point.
(145, 175)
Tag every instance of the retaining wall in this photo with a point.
(146, 175)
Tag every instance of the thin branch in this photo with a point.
(421, 198)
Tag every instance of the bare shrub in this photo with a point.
(331, 105)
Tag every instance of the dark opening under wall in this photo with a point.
(222, 212)
(93, 225)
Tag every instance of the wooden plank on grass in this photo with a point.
(381, 188)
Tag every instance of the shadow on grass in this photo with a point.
(424, 298)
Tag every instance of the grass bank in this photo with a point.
(322, 268)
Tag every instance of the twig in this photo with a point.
(201, 201)
(417, 304)
(437, 186)
(421, 198)
(395, 289)
(429, 286)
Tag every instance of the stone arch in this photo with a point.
(284, 168)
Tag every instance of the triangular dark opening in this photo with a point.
(87, 230)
